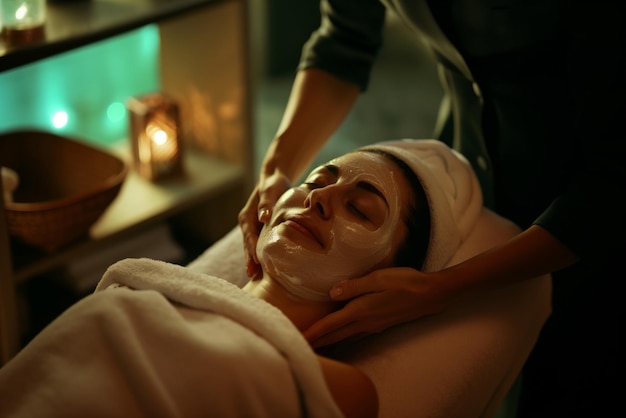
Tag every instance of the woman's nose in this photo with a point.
(320, 201)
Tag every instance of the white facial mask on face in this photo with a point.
(354, 249)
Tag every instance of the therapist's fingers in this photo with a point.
(256, 212)
(382, 299)
(352, 319)
(270, 189)
(347, 337)
(349, 333)
(356, 319)
(250, 228)
(349, 289)
(253, 269)
(331, 329)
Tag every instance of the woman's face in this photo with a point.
(344, 221)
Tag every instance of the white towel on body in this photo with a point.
(178, 344)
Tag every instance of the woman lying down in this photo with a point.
(157, 339)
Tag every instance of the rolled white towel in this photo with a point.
(10, 181)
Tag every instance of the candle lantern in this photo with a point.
(155, 136)
(22, 21)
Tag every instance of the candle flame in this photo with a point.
(163, 140)
(21, 12)
(159, 137)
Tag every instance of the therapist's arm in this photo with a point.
(319, 102)
(532, 253)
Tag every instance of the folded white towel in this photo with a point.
(211, 294)
(452, 190)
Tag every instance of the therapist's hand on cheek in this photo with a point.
(383, 298)
(256, 212)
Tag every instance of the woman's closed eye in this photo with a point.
(367, 207)
(358, 211)
(365, 201)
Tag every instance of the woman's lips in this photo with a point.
(304, 227)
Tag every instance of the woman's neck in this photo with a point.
(303, 313)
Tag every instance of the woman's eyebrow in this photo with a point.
(369, 187)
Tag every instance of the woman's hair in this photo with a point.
(412, 252)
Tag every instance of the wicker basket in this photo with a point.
(64, 187)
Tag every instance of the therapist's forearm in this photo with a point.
(534, 252)
(318, 104)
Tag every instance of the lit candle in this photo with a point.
(23, 20)
(162, 139)
(155, 136)
(23, 14)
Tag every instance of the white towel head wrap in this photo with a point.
(451, 187)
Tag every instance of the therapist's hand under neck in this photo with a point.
(256, 212)
(382, 299)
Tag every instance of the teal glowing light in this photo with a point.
(83, 91)
(59, 119)
(116, 112)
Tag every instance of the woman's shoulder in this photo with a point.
(352, 389)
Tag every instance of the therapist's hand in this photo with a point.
(256, 212)
(376, 302)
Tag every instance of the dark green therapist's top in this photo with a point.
(534, 97)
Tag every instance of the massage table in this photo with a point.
(173, 347)
(459, 364)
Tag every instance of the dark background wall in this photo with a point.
(289, 24)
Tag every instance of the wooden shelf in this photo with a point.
(140, 205)
(72, 24)
(214, 96)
